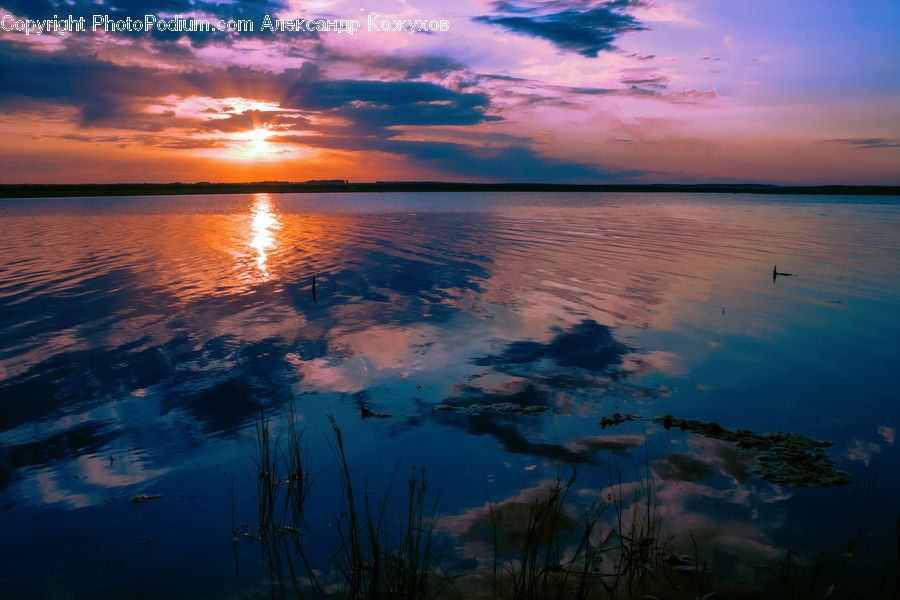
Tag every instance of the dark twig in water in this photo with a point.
(776, 273)
(314, 287)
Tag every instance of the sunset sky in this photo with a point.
(570, 91)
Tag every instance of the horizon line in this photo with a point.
(8, 190)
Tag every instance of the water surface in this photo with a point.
(140, 337)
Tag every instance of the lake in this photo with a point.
(499, 340)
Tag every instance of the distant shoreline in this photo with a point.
(280, 187)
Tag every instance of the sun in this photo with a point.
(256, 142)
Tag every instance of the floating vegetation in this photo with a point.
(781, 458)
(616, 419)
(367, 413)
(500, 407)
(144, 497)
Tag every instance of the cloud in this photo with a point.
(689, 96)
(650, 82)
(642, 83)
(103, 91)
(868, 143)
(375, 109)
(249, 119)
(147, 140)
(512, 163)
(115, 95)
(575, 26)
(411, 66)
(379, 104)
(319, 110)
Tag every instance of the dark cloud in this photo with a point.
(585, 28)
(651, 82)
(171, 50)
(65, 79)
(532, 92)
(379, 104)
(103, 91)
(249, 119)
(492, 77)
(186, 144)
(868, 142)
(375, 106)
(412, 66)
(93, 139)
(115, 95)
(591, 91)
(511, 163)
(147, 140)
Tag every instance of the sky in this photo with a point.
(567, 91)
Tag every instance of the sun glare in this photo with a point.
(264, 224)
(255, 142)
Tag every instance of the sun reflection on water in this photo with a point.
(265, 223)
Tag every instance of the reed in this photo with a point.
(282, 489)
(828, 578)
(638, 547)
(382, 554)
(559, 557)
(614, 548)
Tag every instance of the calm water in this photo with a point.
(140, 338)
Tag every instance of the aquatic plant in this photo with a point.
(380, 556)
(540, 547)
(546, 565)
(284, 480)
